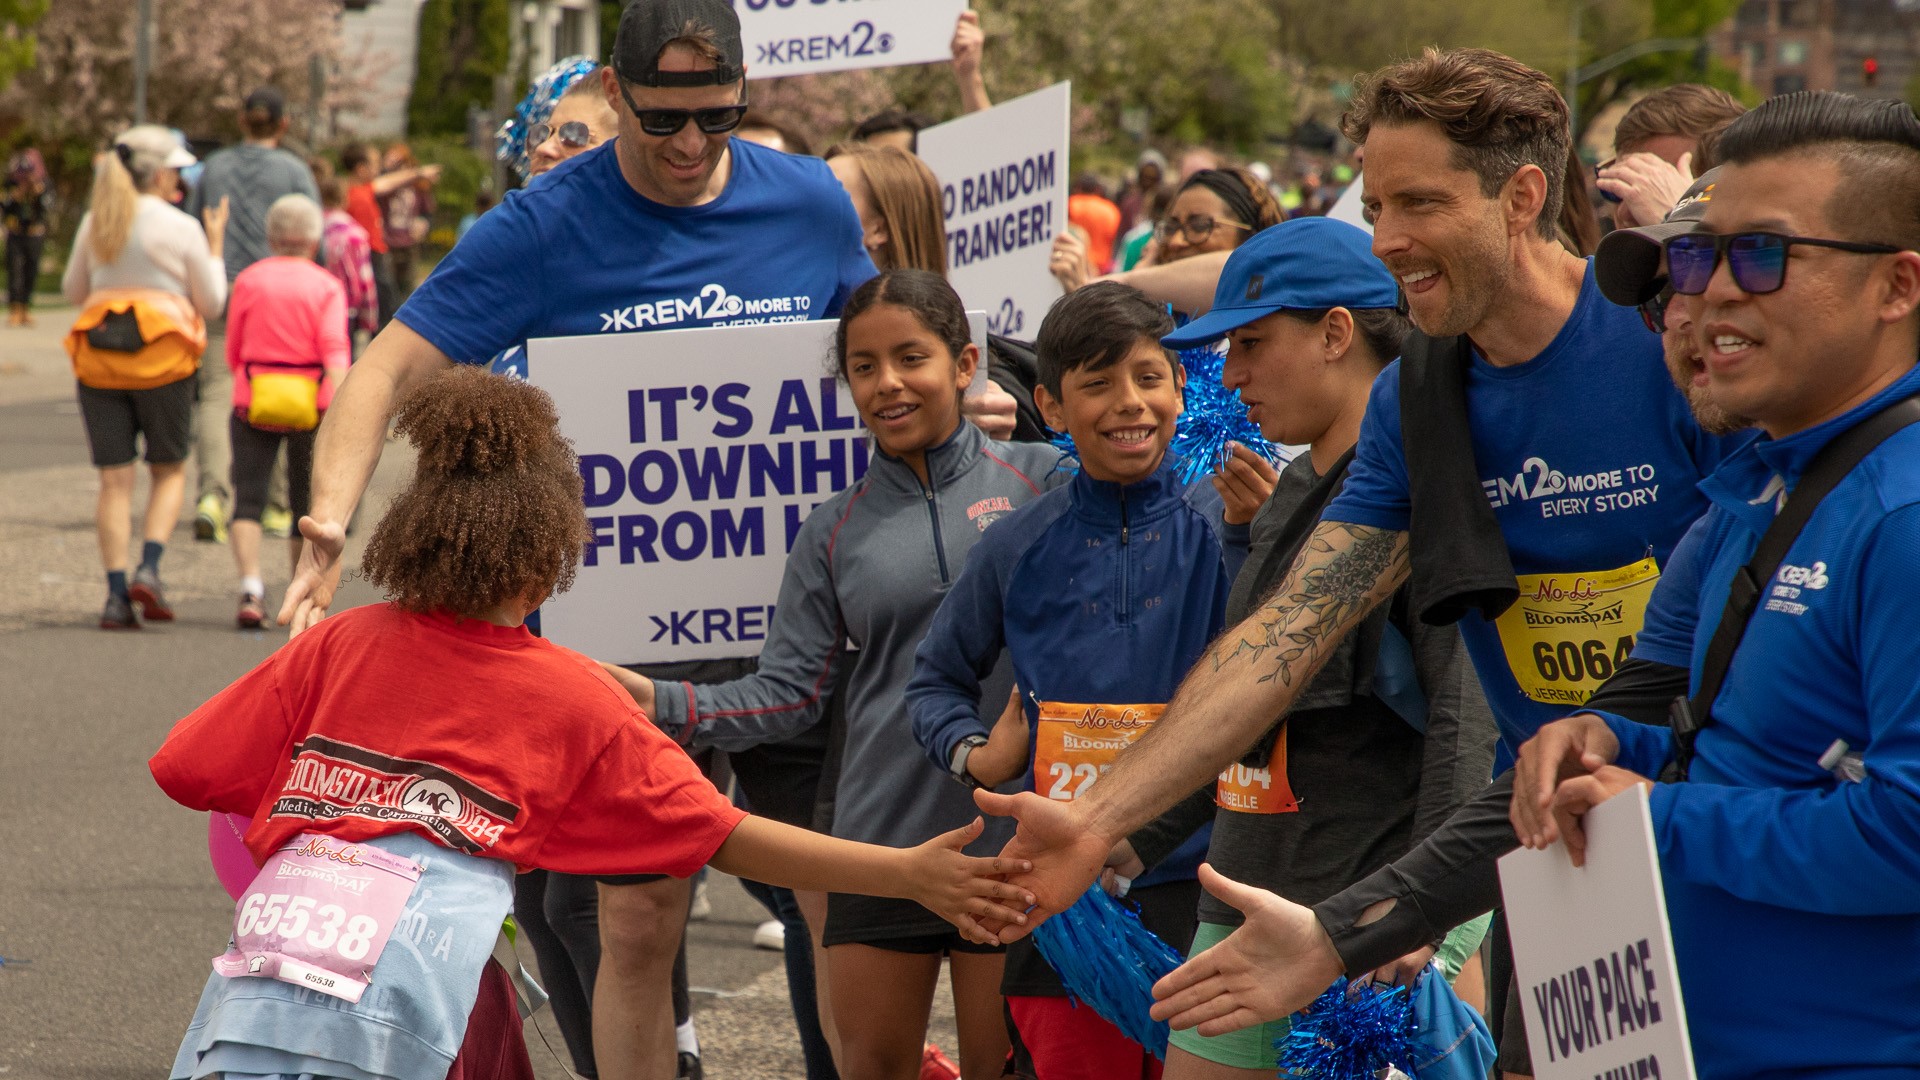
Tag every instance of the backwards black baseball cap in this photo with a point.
(647, 27)
(269, 101)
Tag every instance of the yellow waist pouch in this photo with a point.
(284, 400)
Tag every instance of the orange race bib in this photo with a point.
(1076, 744)
(1248, 790)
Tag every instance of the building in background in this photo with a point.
(1865, 47)
(387, 34)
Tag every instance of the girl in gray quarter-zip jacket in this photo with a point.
(865, 575)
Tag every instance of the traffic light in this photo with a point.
(1870, 71)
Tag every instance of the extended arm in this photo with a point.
(1456, 756)
(936, 875)
(347, 449)
(1251, 674)
(969, 44)
(786, 694)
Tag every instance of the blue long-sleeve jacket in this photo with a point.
(1100, 594)
(1794, 896)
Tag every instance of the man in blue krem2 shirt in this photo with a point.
(1800, 826)
(672, 225)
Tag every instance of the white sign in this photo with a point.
(702, 452)
(1003, 180)
(1594, 955)
(1347, 207)
(807, 37)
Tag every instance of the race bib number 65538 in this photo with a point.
(318, 915)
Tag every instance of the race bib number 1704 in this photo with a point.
(1568, 632)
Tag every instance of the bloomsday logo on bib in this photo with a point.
(1076, 743)
(1568, 632)
(318, 915)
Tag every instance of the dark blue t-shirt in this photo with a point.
(1592, 461)
(581, 252)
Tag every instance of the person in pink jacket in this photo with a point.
(288, 346)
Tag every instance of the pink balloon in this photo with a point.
(226, 846)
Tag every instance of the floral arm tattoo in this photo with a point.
(1257, 669)
(1341, 573)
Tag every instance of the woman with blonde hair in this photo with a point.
(898, 200)
(146, 279)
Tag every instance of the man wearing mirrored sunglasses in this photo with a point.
(670, 225)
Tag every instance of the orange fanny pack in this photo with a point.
(135, 339)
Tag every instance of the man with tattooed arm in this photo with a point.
(1523, 383)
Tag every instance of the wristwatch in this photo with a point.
(960, 755)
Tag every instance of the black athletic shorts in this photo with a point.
(164, 415)
(902, 926)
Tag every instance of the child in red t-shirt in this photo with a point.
(437, 728)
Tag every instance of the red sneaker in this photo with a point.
(251, 614)
(146, 592)
(935, 1065)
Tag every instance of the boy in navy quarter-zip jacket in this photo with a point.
(1103, 593)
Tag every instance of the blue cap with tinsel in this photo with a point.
(1307, 264)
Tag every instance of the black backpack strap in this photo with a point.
(1832, 464)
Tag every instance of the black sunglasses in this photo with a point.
(1653, 311)
(573, 134)
(663, 122)
(1758, 260)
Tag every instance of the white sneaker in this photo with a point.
(702, 908)
(771, 934)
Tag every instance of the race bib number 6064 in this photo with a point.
(1568, 632)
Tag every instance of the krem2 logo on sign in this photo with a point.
(808, 37)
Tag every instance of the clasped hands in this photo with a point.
(1280, 959)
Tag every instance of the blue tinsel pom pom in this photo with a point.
(510, 142)
(1350, 1034)
(1109, 961)
(1214, 418)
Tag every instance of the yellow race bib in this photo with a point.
(1076, 744)
(1568, 632)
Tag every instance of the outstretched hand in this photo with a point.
(966, 891)
(1274, 965)
(1065, 856)
(317, 576)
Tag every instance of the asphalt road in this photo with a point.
(109, 911)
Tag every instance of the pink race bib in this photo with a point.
(318, 915)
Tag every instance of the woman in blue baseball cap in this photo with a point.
(1393, 734)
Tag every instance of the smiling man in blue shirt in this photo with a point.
(673, 224)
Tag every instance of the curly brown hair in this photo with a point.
(1500, 115)
(493, 513)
